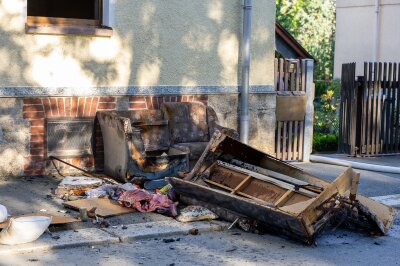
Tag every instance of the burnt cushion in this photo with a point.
(187, 122)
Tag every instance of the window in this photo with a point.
(83, 17)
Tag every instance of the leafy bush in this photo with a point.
(326, 118)
(325, 142)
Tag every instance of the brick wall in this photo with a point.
(36, 110)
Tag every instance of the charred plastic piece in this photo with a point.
(235, 180)
(125, 155)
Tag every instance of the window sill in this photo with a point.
(98, 31)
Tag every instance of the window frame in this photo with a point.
(73, 26)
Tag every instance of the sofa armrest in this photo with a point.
(227, 131)
(212, 120)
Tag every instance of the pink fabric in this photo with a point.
(144, 201)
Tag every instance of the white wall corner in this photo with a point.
(109, 13)
(24, 11)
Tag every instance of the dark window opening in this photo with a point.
(66, 17)
(66, 9)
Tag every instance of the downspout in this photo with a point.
(244, 95)
(375, 35)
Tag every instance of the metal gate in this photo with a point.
(291, 105)
(370, 110)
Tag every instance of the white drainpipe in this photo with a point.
(376, 33)
(244, 94)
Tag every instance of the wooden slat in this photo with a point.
(278, 140)
(369, 114)
(364, 107)
(290, 140)
(242, 184)
(286, 88)
(276, 70)
(301, 139)
(217, 184)
(378, 109)
(295, 141)
(284, 142)
(374, 109)
(33, 20)
(303, 76)
(396, 81)
(284, 198)
(385, 115)
(392, 111)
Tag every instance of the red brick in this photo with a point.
(88, 106)
(34, 115)
(106, 106)
(74, 106)
(38, 138)
(37, 123)
(36, 145)
(149, 103)
(38, 152)
(47, 108)
(54, 107)
(34, 172)
(68, 106)
(81, 106)
(37, 130)
(137, 99)
(136, 105)
(33, 108)
(93, 109)
(160, 101)
(61, 107)
(36, 161)
(107, 99)
(32, 101)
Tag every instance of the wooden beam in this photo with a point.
(267, 179)
(285, 197)
(242, 184)
(217, 184)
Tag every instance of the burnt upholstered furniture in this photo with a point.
(156, 143)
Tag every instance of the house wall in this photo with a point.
(354, 32)
(186, 50)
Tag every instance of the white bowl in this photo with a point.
(24, 229)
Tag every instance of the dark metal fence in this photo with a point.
(370, 110)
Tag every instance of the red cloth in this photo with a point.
(144, 201)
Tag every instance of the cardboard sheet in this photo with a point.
(105, 207)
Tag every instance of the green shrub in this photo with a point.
(325, 142)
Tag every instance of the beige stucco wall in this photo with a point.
(354, 32)
(155, 42)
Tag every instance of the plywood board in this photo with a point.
(104, 207)
(55, 219)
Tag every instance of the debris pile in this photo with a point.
(240, 183)
(231, 181)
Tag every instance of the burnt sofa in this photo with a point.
(154, 144)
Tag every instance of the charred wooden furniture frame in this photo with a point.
(156, 143)
(370, 110)
(231, 177)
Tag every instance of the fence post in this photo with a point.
(309, 119)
